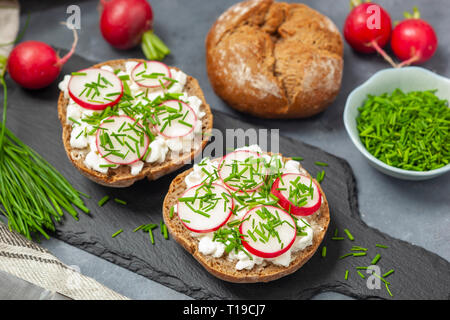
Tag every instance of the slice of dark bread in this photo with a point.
(222, 267)
(121, 176)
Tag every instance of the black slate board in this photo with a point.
(419, 274)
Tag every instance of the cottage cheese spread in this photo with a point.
(160, 146)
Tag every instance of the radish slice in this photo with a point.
(205, 208)
(151, 74)
(297, 194)
(242, 170)
(258, 240)
(121, 140)
(95, 89)
(175, 119)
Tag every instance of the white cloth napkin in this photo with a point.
(9, 24)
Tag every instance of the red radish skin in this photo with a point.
(364, 37)
(191, 111)
(220, 173)
(35, 65)
(287, 204)
(102, 152)
(259, 253)
(160, 65)
(209, 229)
(414, 41)
(123, 22)
(92, 106)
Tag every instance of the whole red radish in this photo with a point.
(367, 28)
(414, 40)
(127, 23)
(35, 64)
(123, 22)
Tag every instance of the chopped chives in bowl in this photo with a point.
(410, 131)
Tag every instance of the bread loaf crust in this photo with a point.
(274, 59)
(121, 176)
(225, 269)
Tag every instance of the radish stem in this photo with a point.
(64, 59)
(409, 61)
(383, 53)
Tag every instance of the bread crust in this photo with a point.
(121, 177)
(223, 268)
(274, 59)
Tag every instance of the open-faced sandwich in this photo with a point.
(250, 216)
(124, 120)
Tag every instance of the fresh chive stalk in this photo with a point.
(33, 194)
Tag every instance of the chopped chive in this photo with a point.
(107, 165)
(139, 228)
(346, 275)
(120, 201)
(185, 123)
(375, 259)
(112, 94)
(389, 291)
(388, 273)
(172, 209)
(74, 121)
(161, 223)
(320, 175)
(337, 238)
(79, 73)
(103, 201)
(381, 246)
(358, 248)
(346, 255)
(376, 275)
(359, 254)
(165, 232)
(297, 158)
(324, 251)
(349, 235)
(361, 275)
(150, 232)
(117, 233)
(321, 164)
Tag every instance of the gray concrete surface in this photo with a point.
(418, 212)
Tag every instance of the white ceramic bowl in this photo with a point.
(407, 79)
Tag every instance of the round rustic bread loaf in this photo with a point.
(274, 59)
